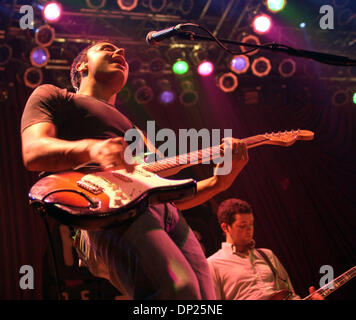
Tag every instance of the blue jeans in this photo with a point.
(157, 256)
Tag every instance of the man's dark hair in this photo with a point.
(75, 76)
(230, 207)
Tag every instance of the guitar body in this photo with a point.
(99, 200)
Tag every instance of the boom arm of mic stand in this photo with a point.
(317, 56)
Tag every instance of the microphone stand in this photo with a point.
(317, 56)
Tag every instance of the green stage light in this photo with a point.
(276, 5)
(180, 67)
(354, 98)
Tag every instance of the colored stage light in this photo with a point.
(166, 97)
(52, 11)
(302, 25)
(127, 5)
(239, 64)
(354, 98)
(205, 68)
(39, 56)
(252, 39)
(262, 24)
(33, 77)
(276, 5)
(44, 35)
(180, 67)
(287, 68)
(261, 67)
(228, 82)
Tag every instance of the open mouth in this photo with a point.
(119, 60)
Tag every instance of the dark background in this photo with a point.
(303, 196)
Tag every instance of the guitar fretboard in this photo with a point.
(199, 156)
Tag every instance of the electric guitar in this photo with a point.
(324, 291)
(100, 199)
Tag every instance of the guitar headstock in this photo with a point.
(287, 138)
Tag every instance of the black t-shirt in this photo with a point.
(75, 116)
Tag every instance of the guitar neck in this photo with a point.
(169, 166)
(335, 284)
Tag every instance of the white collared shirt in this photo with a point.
(245, 278)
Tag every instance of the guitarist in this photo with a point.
(239, 270)
(155, 256)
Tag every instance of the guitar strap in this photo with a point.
(274, 271)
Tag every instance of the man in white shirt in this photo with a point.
(241, 272)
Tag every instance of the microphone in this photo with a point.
(153, 37)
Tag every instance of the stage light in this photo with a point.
(39, 56)
(157, 65)
(166, 95)
(340, 98)
(135, 65)
(262, 24)
(201, 60)
(287, 68)
(157, 8)
(276, 5)
(180, 67)
(52, 11)
(188, 97)
(95, 4)
(239, 64)
(354, 98)
(302, 25)
(143, 93)
(33, 77)
(44, 35)
(261, 67)
(228, 82)
(205, 68)
(127, 5)
(252, 40)
(5, 53)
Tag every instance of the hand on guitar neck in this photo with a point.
(314, 294)
(239, 158)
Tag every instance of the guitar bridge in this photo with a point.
(90, 186)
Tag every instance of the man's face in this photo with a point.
(240, 232)
(107, 64)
